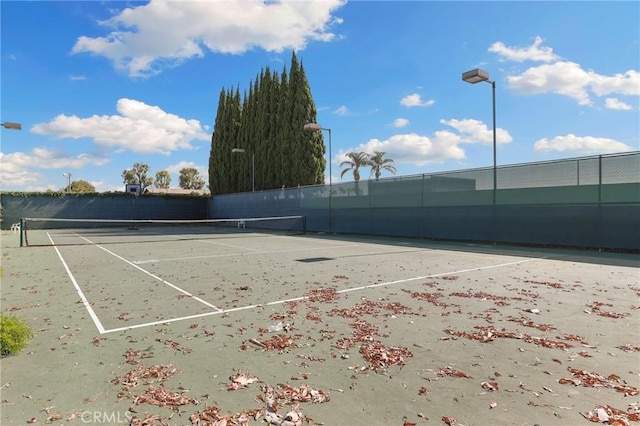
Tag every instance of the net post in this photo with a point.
(304, 225)
(20, 230)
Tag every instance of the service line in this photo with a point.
(347, 290)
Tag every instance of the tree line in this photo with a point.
(189, 178)
(258, 139)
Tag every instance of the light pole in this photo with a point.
(476, 76)
(315, 127)
(253, 166)
(13, 126)
(68, 176)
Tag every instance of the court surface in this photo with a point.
(515, 317)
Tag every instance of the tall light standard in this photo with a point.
(253, 166)
(13, 126)
(476, 76)
(68, 176)
(315, 127)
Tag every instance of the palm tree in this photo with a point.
(357, 160)
(379, 163)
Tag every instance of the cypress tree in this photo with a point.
(268, 123)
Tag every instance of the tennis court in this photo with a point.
(386, 328)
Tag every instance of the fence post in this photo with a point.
(599, 179)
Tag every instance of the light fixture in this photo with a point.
(13, 126)
(476, 76)
(315, 127)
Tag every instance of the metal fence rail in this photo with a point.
(589, 202)
(611, 178)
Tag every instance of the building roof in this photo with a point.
(176, 191)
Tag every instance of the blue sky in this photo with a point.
(99, 86)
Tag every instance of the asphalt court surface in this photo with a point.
(139, 284)
(198, 301)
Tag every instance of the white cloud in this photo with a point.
(565, 78)
(400, 122)
(162, 33)
(342, 110)
(624, 84)
(535, 52)
(474, 131)
(139, 128)
(614, 103)
(77, 77)
(413, 148)
(174, 171)
(569, 79)
(102, 186)
(444, 145)
(415, 100)
(580, 144)
(17, 167)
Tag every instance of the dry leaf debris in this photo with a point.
(279, 342)
(613, 416)
(489, 333)
(290, 395)
(146, 374)
(594, 380)
(544, 283)
(380, 357)
(148, 420)
(524, 321)
(596, 308)
(133, 357)
(449, 371)
(211, 416)
(162, 398)
(629, 348)
(241, 380)
(323, 295)
(499, 300)
(369, 307)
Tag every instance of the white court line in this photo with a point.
(216, 243)
(212, 256)
(347, 290)
(85, 302)
(186, 293)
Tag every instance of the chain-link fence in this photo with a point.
(589, 201)
(597, 179)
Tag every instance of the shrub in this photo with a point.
(14, 334)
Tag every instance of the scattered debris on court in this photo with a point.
(612, 416)
(597, 308)
(490, 333)
(449, 371)
(133, 356)
(145, 375)
(595, 380)
(162, 398)
(241, 381)
(323, 295)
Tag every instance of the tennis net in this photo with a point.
(58, 231)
